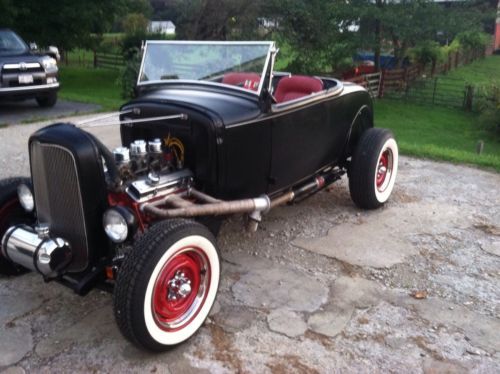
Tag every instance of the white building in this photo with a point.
(163, 27)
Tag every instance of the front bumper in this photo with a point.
(27, 91)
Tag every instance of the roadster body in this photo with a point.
(213, 131)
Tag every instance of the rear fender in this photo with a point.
(363, 120)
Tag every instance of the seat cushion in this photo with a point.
(246, 80)
(297, 86)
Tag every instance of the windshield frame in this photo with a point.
(271, 53)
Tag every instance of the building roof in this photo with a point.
(162, 24)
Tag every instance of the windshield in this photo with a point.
(11, 44)
(231, 63)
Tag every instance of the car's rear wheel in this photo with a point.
(167, 285)
(373, 168)
(47, 100)
(11, 213)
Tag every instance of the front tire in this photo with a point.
(373, 168)
(12, 213)
(167, 284)
(48, 100)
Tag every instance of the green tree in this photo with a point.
(134, 23)
(67, 23)
(217, 19)
(7, 13)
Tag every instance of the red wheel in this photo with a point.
(181, 289)
(385, 169)
(167, 285)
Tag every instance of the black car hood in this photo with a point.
(231, 107)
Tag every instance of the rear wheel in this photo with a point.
(11, 213)
(373, 168)
(167, 285)
(48, 100)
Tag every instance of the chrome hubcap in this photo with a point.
(179, 287)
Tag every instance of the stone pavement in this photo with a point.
(321, 287)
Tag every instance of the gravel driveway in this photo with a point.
(28, 110)
(321, 287)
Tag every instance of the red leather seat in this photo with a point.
(246, 80)
(296, 86)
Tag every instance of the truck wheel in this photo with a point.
(167, 284)
(373, 168)
(11, 213)
(48, 100)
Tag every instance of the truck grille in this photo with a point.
(23, 68)
(58, 198)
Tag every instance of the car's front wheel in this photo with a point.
(47, 100)
(373, 168)
(167, 285)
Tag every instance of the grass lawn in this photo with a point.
(485, 70)
(437, 133)
(88, 85)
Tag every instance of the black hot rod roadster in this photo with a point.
(213, 131)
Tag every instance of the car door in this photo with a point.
(304, 139)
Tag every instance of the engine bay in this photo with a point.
(152, 168)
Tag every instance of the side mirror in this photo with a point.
(33, 46)
(54, 52)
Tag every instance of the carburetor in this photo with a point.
(142, 158)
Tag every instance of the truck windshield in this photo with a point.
(11, 44)
(238, 64)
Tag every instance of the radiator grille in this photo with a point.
(58, 197)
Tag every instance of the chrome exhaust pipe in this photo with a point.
(35, 250)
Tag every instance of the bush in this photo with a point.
(131, 50)
(488, 105)
(426, 52)
(473, 40)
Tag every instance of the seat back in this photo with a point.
(246, 80)
(296, 86)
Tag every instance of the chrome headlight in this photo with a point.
(49, 63)
(25, 197)
(119, 224)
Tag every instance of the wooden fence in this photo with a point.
(108, 60)
(425, 84)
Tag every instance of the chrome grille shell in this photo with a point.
(58, 198)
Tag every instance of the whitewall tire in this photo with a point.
(167, 286)
(373, 168)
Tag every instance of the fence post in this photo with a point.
(434, 90)
(433, 68)
(95, 59)
(469, 97)
(381, 84)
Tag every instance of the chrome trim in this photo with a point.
(271, 44)
(29, 88)
(106, 116)
(274, 52)
(22, 66)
